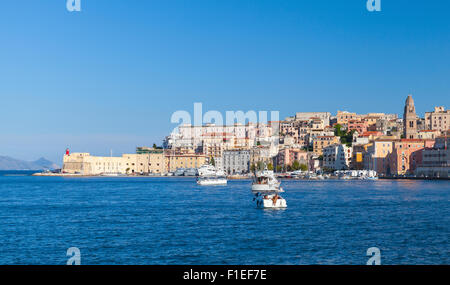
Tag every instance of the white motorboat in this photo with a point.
(179, 172)
(265, 181)
(207, 170)
(212, 181)
(270, 201)
(111, 174)
(190, 172)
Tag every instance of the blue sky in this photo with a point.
(110, 76)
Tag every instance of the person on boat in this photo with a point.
(275, 199)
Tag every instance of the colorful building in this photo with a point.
(406, 155)
(438, 120)
(320, 142)
(337, 157)
(287, 156)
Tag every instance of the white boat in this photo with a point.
(270, 201)
(190, 172)
(111, 174)
(207, 170)
(368, 178)
(179, 172)
(212, 180)
(265, 181)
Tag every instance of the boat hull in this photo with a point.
(266, 188)
(270, 203)
(212, 182)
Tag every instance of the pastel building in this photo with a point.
(438, 120)
(428, 134)
(436, 161)
(357, 125)
(87, 164)
(377, 156)
(406, 155)
(337, 157)
(343, 117)
(174, 160)
(287, 156)
(320, 142)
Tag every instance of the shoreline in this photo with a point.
(229, 178)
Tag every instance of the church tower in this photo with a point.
(410, 119)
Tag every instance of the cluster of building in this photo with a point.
(314, 141)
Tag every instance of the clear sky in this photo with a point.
(110, 76)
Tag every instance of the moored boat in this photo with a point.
(212, 181)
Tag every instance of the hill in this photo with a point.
(9, 163)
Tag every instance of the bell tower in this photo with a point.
(410, 119)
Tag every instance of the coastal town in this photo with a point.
(308, 142)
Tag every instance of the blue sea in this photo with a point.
(169, 220)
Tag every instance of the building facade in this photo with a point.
(377, 156)
(409, 119)
(287, 156)
(320, 142)
(236, 161)
(174, 160)
(435, 161)
(337, 157)
(86, 164)
(438, 120)
(406, 155)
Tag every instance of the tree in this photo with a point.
(345, 136)
(260, 165)
(252, 167)
(338, 130)
(295, 165)
(303, 167)
(279, 168)
(213, 162)
(270, 166)
(154, 146)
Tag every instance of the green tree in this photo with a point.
(345, 137)
(213, 162)
(154, 146)
(303, 167)
(295, 165)
(260, 165)
(253, 167)
(279, 168)
(270, 166)
(338, 130)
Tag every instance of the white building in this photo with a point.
(213, 139)
(337, 156)
(236, 161)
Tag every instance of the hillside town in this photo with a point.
(410, 146)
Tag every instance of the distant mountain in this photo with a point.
(9, 163)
